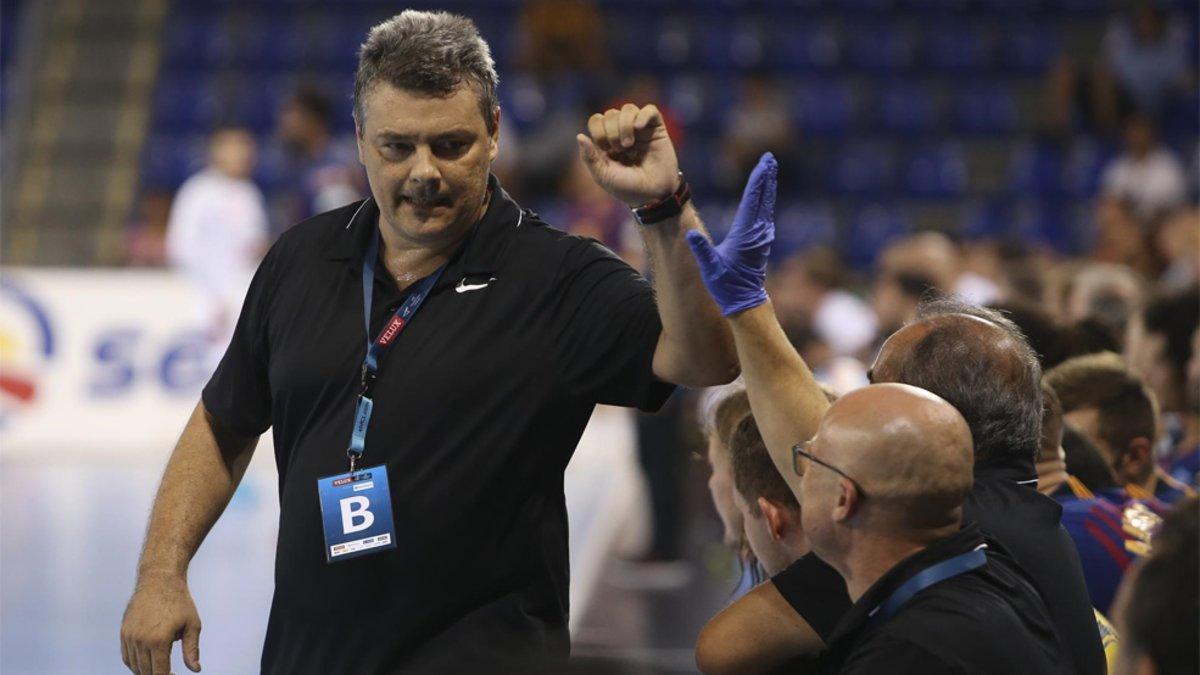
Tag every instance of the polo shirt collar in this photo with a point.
(483, 251)
(965, 540)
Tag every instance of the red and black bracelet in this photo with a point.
(667, 207)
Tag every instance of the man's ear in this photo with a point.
(1137, 457)
(358, 141)
(847, 502)
(777, 523)
(494, 139)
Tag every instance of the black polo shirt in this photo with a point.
(1010, 511)
(478, 408)
(987, 620)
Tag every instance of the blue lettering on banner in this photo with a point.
(122, 358)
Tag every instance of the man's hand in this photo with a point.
(630, 154)
(735, 271)
(160, 612)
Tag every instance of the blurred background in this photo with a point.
(1037, 154)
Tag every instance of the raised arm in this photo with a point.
(630, 155)
(201, 476)
(784, 396)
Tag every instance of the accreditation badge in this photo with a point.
(356, 512)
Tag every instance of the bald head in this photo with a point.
(980, 362)
(909, 449)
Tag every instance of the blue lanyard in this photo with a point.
(959, 564)
(378, 348)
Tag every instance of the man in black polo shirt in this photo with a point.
(973, 358)
(882, 491)
(457, 346)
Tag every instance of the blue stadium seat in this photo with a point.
(630, 36)
(985, 109)
(864, 170)
(867, 5)
(800, 226)
(823, 107)
(701, 103)
(881, 48)
(871, 229)
(1037, 170)
(1029, 48)
(936, 172)
(189, 35)
(168, 159)
(1085, 166)
(986, 220)
(1044, 224)
(717, 45)
(906, 107)
(803, 46)
(956, 47)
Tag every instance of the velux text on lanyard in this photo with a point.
(378, 348)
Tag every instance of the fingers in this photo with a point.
(703, 250)
(596, 131)
(766, 208)
(625, 120)
(144, 663)
(191, 646)
(758, 204)
(648, 120)
(160, 659)
(587, 150)
(615, 130)
(127, 656)
(612, 129)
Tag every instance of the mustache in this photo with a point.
(425, 194)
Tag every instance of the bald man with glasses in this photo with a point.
(881, 490)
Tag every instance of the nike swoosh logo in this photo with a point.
(463, 286)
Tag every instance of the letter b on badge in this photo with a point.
(355, 514)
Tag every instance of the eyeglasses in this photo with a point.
(801, 450)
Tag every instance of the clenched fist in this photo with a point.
(160, 612)
(630, 155)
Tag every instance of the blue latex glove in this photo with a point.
(735, 271)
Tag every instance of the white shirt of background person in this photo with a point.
(1146, 176)
(217, 233)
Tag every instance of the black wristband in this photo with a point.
(667, 207)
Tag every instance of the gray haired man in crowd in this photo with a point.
(421, 453)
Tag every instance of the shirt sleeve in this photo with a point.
(816, 591)
(238, 394)
(606, 329)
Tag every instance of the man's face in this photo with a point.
(817, 499)
(720, 486)
(771, 553)
(427, 161)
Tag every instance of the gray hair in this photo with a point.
(995, 384)
(431, 53)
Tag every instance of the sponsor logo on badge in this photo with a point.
(346, 480)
